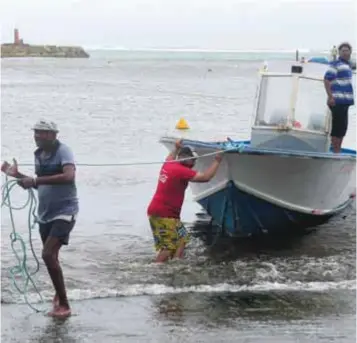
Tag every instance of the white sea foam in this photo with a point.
(161, 289)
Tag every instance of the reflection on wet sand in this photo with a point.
(225, 308)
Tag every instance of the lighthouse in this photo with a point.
(16, 37)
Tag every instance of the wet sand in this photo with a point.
(283, 317)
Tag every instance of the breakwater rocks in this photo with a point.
(27, 50)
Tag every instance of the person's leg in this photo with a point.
(44, 233)
(180, 250)
(161, 229)
(58, 235)
(344, 124)
(336, 143)
(339, 127)
(183, 239)
(55, 300)
(163, 256)
(49, 255)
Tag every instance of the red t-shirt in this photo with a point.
(170, 192)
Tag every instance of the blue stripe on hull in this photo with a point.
(241, 214)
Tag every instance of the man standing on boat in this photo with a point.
(57, 202)
(339, 89)
(170, 236)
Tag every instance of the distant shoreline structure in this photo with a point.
(20, 49)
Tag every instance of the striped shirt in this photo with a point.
(340, 75)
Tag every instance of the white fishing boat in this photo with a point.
(286, 177)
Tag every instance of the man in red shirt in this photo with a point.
(164, 211)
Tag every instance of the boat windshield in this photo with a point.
(293, 100)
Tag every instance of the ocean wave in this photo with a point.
(135, 290)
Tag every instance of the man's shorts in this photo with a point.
(168, 233)
(339, 120)
(58, 228)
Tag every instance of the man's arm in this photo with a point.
(68, 175)
(172, 155)
(20, 176)
(327, 84)
(210, 172)
(12, 170)
(69, 170)
(330, 76)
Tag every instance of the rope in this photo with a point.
(228, 146)
(22, 269)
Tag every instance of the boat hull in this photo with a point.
(257, 191)
(240, 214)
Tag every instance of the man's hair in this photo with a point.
(185, 152)
(344, 45)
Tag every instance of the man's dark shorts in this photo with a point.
(339, 120)
(58, 228)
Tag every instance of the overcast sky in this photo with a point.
(204, 24)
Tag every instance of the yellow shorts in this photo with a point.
(168, 233)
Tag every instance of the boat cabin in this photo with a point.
(291, 111)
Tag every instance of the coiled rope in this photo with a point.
(22, 270)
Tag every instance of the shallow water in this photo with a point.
(300, 289)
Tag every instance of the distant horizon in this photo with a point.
(187, 48)
(108, 47)
(209, 50)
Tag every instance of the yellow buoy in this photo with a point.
(182, 124)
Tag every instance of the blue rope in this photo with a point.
(22, 269)
(230, 145)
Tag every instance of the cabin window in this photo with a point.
(311, 108)
(277, 105)
(274, 101)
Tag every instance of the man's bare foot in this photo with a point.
(60, 312)
(55, 301)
